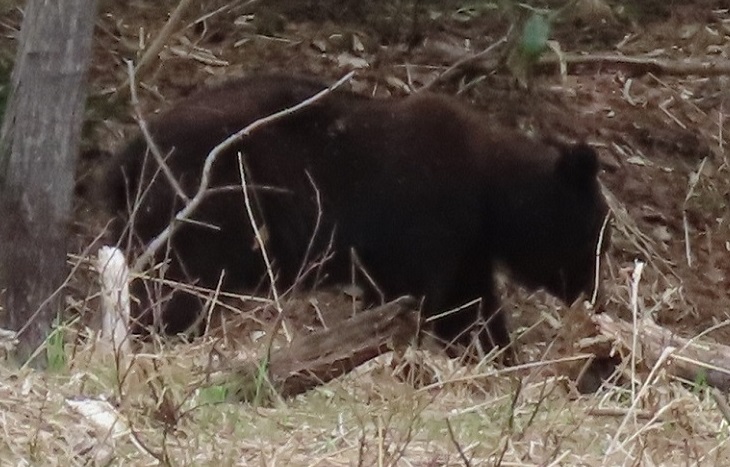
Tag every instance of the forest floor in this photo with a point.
(661, 133)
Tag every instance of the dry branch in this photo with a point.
(691, 359)
(463, 62)
(641, 65)
(322, 356)
(634, 65)
(157, 45)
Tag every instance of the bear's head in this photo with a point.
(558, 213)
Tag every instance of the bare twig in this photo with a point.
(446, 313)
(464, 61)
(225, 8)
(635, 65)
(41, 307)
(315, 231)
(599, 247)
(643, 65)
(316, 265)
(635, 279)
(213, 302)
(619, 412)
(693, 180)
(358, 265)
(159, 241)
(262, 247)
(154, 149)
(467, 462)
(154, 49)
(203, 292)
(615, 445)
(720, 137)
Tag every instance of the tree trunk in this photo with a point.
(40, 137)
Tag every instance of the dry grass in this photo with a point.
(422, 409)
(416, 409)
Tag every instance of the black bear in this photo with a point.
(428, 197)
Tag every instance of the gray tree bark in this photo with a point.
(38, 146)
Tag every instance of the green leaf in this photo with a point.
(55, 349)
(535, 35)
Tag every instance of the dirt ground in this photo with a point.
(661, 134)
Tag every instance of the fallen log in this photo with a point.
(696, 359)
(319, 357)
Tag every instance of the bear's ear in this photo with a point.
(578, 164)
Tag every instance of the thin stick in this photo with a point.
(315, 231)
(159, 42)
(644, 64)
(220, 10)
(262, 245)
(154, 149)
(446, 313)
(75, 267)
(159, 241)
(693, 180)
(635, 278)
(720, 140)
(619, 412)
(361, 267)
(597, 274)
(465, 61)
(455, 442)
(687, 248)
(631, 411)
(213, 302)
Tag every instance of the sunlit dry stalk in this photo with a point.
(262, 247)
(614, 446)
(599, 246)
(635, 279)
(694, 178)
(213, 302)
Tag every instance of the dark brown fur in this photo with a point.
(429, 197)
